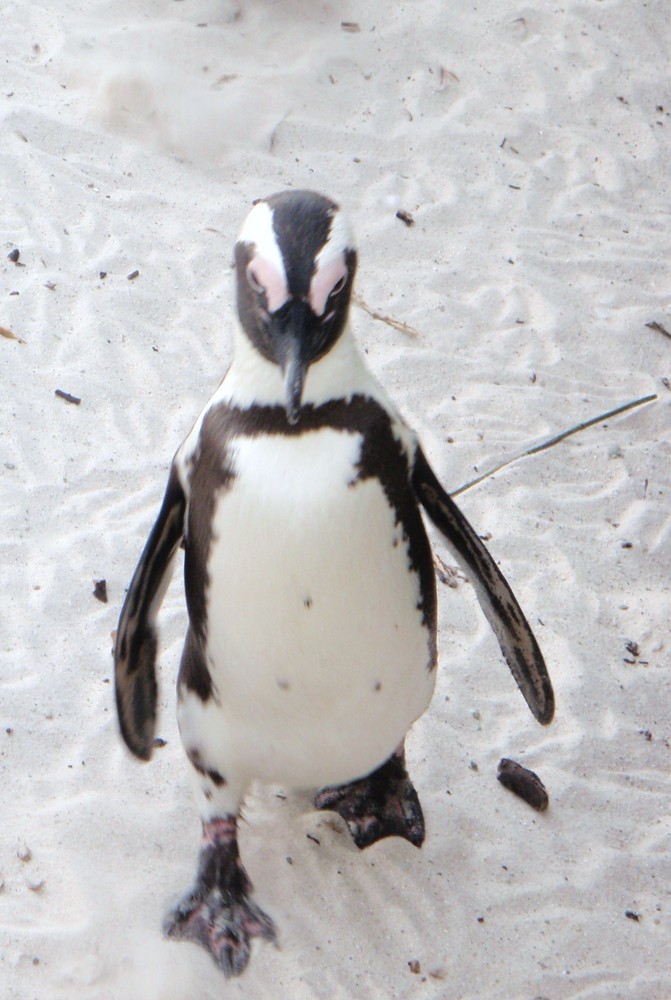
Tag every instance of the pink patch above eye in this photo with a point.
(324, 282)
(261, 272)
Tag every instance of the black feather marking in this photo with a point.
(210, 474)
(382, 456)
(193, 671)
(196, 758)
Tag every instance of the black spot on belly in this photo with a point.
(307, 602)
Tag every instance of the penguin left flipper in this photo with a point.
(136, 644)
(517, 641)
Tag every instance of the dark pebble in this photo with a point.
(405, 217)
(523, 782)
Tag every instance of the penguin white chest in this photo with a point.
(315, 637)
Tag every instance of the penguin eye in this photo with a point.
(338, 287)
(253, 281)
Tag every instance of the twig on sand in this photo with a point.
(658, 328)
(67, 396)
(554, 440)
(397, 325)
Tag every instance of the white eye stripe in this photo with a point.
(339, 240)
(258, 230)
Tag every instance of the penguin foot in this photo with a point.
(219, 913)
(384, 804)
(223, 927)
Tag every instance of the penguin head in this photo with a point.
(295, 263)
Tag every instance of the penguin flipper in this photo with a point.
(136, 642)
(517, 641)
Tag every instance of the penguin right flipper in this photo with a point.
(517, 641)
(136, 643)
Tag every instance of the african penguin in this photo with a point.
(310, 588)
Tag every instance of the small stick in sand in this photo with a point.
(554, 440)
(654, 325)
(68, 397)
(397, 325)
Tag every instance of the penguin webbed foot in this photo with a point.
(223, 927)
(219, 913)
(383, 804)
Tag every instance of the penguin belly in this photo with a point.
(316, 644)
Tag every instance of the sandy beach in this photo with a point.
(530, 147)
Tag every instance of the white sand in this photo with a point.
(530, 274)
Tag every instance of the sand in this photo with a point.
(530, 143)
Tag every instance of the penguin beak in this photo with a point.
(289, 339)
(294, 370)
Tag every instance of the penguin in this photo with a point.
(310, 588)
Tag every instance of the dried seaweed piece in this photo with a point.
(523, 782)
(449, 575)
